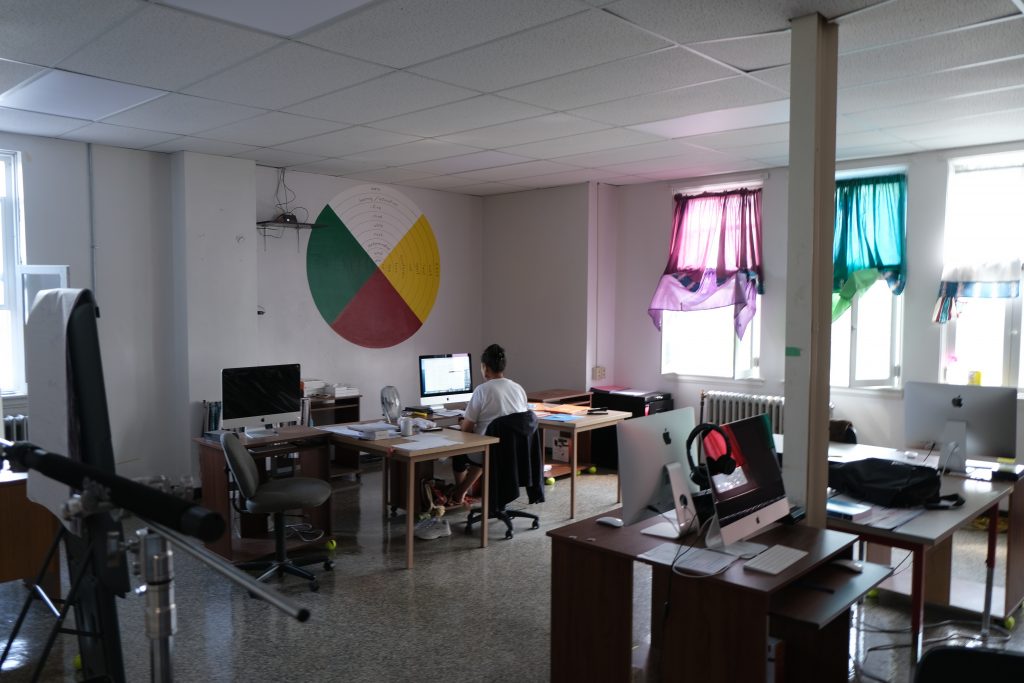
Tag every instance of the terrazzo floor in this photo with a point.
(462, 614)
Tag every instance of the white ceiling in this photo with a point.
(490, 96)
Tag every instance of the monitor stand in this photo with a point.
(953, 457)
(260, 432)
(744, 549)
(683, 502)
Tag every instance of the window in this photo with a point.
(706, 302)
(869, 266)
(19, 283)
(979, 296)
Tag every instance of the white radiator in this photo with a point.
(16, 427)
(728, 406)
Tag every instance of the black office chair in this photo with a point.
(275, 497)
(516, 461)
(841, 431)
(956, 664)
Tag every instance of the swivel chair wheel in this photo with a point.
(328, 565)
(536, 524)
(314, 585)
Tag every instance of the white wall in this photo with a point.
(292, 330)
(536, 258)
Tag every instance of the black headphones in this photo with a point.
(723, 464)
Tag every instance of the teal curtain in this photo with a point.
(870, 237)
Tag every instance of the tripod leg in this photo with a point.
(68, 602)
(32, 594)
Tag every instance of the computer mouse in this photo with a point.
(850, 565)
(610, 521)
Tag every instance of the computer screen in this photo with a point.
(646, 445)
(446, 378)
(261, 396)
(753, 496)
(960, 421)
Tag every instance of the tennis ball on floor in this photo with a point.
(592, 470)
(550, 481)
(77, 662)
(872, 594)
(1009, 623)
(331, 544)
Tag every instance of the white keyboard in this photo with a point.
(776, 559)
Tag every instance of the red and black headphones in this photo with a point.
(723, 464)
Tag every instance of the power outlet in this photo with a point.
(597, 372)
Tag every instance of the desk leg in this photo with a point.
(216, 496)
(990, 566)
(572, 479)
(384, 493)
(618, 488)
(410, 502)
(316, 463)
(486, 498)
(916, 605)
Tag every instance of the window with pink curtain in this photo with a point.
(714, 257)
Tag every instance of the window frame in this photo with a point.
(11, 231)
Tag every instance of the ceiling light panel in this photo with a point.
(178, 49)
(576, 42)
(736, 118)
(46, 31)
(182, 114)
(478, 112)
(272, 16)
(381, 98)
(400, 33)
(662, 70)
(77, 96)
(286, 75)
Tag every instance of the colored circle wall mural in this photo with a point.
(373, 267)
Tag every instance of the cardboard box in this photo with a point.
(561, 449)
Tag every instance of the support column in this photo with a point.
(812, 160)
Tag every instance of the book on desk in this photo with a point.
(843, 509)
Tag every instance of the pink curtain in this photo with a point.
(714, 258)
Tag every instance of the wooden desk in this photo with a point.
(27, 530)
(253, 540)
(715, 628)
(398, 450)
(583, 423)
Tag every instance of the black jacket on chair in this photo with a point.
(517, 460)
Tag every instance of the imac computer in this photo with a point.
(960, 421)
(446, 378)
(257, 398)
(753, 495)
(654, 472)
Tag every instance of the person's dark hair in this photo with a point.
(494, 358)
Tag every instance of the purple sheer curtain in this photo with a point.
(714, 258)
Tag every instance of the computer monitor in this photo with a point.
(646, 446)
(753, 495)
(446, 378)
(257, 398)
(960, 421)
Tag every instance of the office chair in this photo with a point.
(275, 497)
(956, 664)
(841, 431)
(516, 461)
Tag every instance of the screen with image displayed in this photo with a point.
(446, 378)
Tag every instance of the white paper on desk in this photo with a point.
(881, 517)
(341, 429)
(422, 442)
(446, 412)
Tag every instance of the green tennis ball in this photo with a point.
(77, 662)
(1009, 623)
(331, 544)
(592, 470)
(550, 481)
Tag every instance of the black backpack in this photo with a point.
(890, 483)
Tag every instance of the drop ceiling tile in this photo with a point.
(662, 70)
(391, 175)
(440, 182)
(704, 169)
(688, 159)
(732, 92)
(940, 110)
(573, 177)
(118, 136)
(968, 137)
(711, 19)
(274, 128)
(763, 152)
(583, 143)
(998, 126)
(625, 155)
(527, 170)
(736, 118)
(179, 49)
(744, 137)
(391, 95)
(278, 158)
(412, 152)
(13, 73)
(873, 151)
(272, 16)
(31, 123)
(575, 42)
(182, 114)
(285, 75)
(896, 22)
(487, 189)
(201, 146)
(525, 131)
(477, 112)
(347, 141)
(336, 167)
(934, 86)
(777, 77)
(467, 162)
(400, 33)
(83, 97)
(935, 53)
(749, 52)
(46, 31)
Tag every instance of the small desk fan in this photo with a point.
(390, 404)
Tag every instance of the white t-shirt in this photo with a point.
(493, 399)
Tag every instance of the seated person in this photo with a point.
(496, 397)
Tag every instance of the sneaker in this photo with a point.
(432, 528)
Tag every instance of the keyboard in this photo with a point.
(775, 560)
